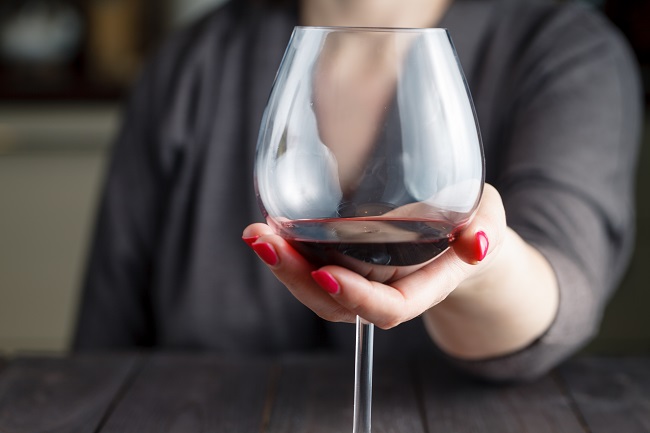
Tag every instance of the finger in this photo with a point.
(294, 271)
(254, 232)
(389, 305)
(484, 233)
(373, 301)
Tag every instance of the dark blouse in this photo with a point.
(558, 101)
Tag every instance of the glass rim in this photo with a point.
(354, 29)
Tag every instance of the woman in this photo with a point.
(524, 286)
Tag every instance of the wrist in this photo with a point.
(509, 301)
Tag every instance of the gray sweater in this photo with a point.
(558, 102)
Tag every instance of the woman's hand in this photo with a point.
(339, 295)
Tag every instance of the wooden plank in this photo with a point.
(613, 394)
(51, 395)
(313, 395)
(453, 402)
(397, 406)
(316, 396)
(194, 393)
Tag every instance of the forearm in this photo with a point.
(503, 308)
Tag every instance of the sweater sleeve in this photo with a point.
(567, 177)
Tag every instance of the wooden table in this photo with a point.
(205, 393)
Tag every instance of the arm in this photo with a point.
(115, 310)
(510, 300)
(567, 181)
(115, 290)
(566, 190)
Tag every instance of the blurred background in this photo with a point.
(65, 67)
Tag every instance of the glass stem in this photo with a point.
(363, 376)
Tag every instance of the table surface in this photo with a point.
(208, 393)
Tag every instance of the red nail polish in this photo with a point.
(481, 246)
(326, 281)
(266, 253)
(250, 240)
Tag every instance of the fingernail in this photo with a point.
(326, 281)
(481, 246)
(266, 253)
(250, 240)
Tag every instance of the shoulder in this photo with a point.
(203, 46)
(197, 61)
(526, 16)
(541, 30)
(196, 68)
(534, 47)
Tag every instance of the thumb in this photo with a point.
(484, 233)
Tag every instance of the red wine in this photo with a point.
(378, 241)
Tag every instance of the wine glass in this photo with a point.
(369, 156)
